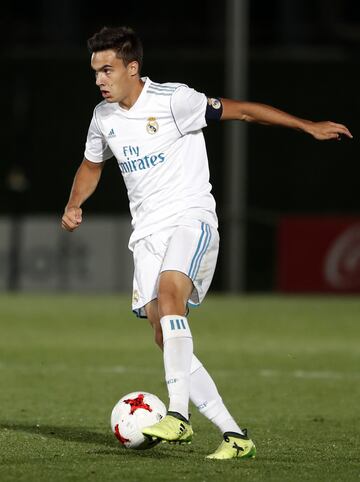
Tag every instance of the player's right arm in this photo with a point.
(86, 179)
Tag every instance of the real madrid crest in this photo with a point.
(152, 126)
(215, 103)
(135, 296)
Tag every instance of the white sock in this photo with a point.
(178, 352)
(205, 396)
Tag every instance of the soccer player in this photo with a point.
(155, 133)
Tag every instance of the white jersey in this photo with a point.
(161, 153)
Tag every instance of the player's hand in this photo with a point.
(326, 130)
(72, 218)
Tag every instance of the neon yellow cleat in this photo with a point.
(234, 446)
(171, 429)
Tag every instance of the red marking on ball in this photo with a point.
(136, 403)
(118, 435)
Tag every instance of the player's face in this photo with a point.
(115, 81)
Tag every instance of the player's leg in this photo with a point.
(205, 396)
(184, 252)
(188, 247)
(172, 289)
(193, 252)
(149, 254)
(173, 292)
(203, 391)
(173, 335)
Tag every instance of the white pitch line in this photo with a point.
(310, 374)
(62, 367)
(48, 368)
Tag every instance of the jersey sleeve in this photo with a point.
(96, 148)
(188, 108)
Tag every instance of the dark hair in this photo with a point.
(123, 40)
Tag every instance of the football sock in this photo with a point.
(205, 396)
(178, 352)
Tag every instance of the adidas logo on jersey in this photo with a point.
(111, 134)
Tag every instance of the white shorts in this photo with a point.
(191, 249)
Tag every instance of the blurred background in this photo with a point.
(289, 206)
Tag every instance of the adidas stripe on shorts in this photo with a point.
(191, 249)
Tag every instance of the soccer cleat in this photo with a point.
(171, 429)
(234, 446)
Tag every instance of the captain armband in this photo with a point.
(214, 109)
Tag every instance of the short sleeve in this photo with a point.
(188, 108)
(96, 149)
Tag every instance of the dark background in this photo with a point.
(303, 58)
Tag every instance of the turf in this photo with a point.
(287, 367)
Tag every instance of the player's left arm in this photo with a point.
(268, 115)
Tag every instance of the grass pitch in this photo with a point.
(288, 369)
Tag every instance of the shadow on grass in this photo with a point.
(82, 435)
(68, 434)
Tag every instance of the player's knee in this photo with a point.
(170, 302)
(173, 292)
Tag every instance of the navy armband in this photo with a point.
(214, 109)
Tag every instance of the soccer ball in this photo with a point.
(131, 414)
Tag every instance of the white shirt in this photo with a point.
(161, 153)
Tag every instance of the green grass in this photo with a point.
(288, 368)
